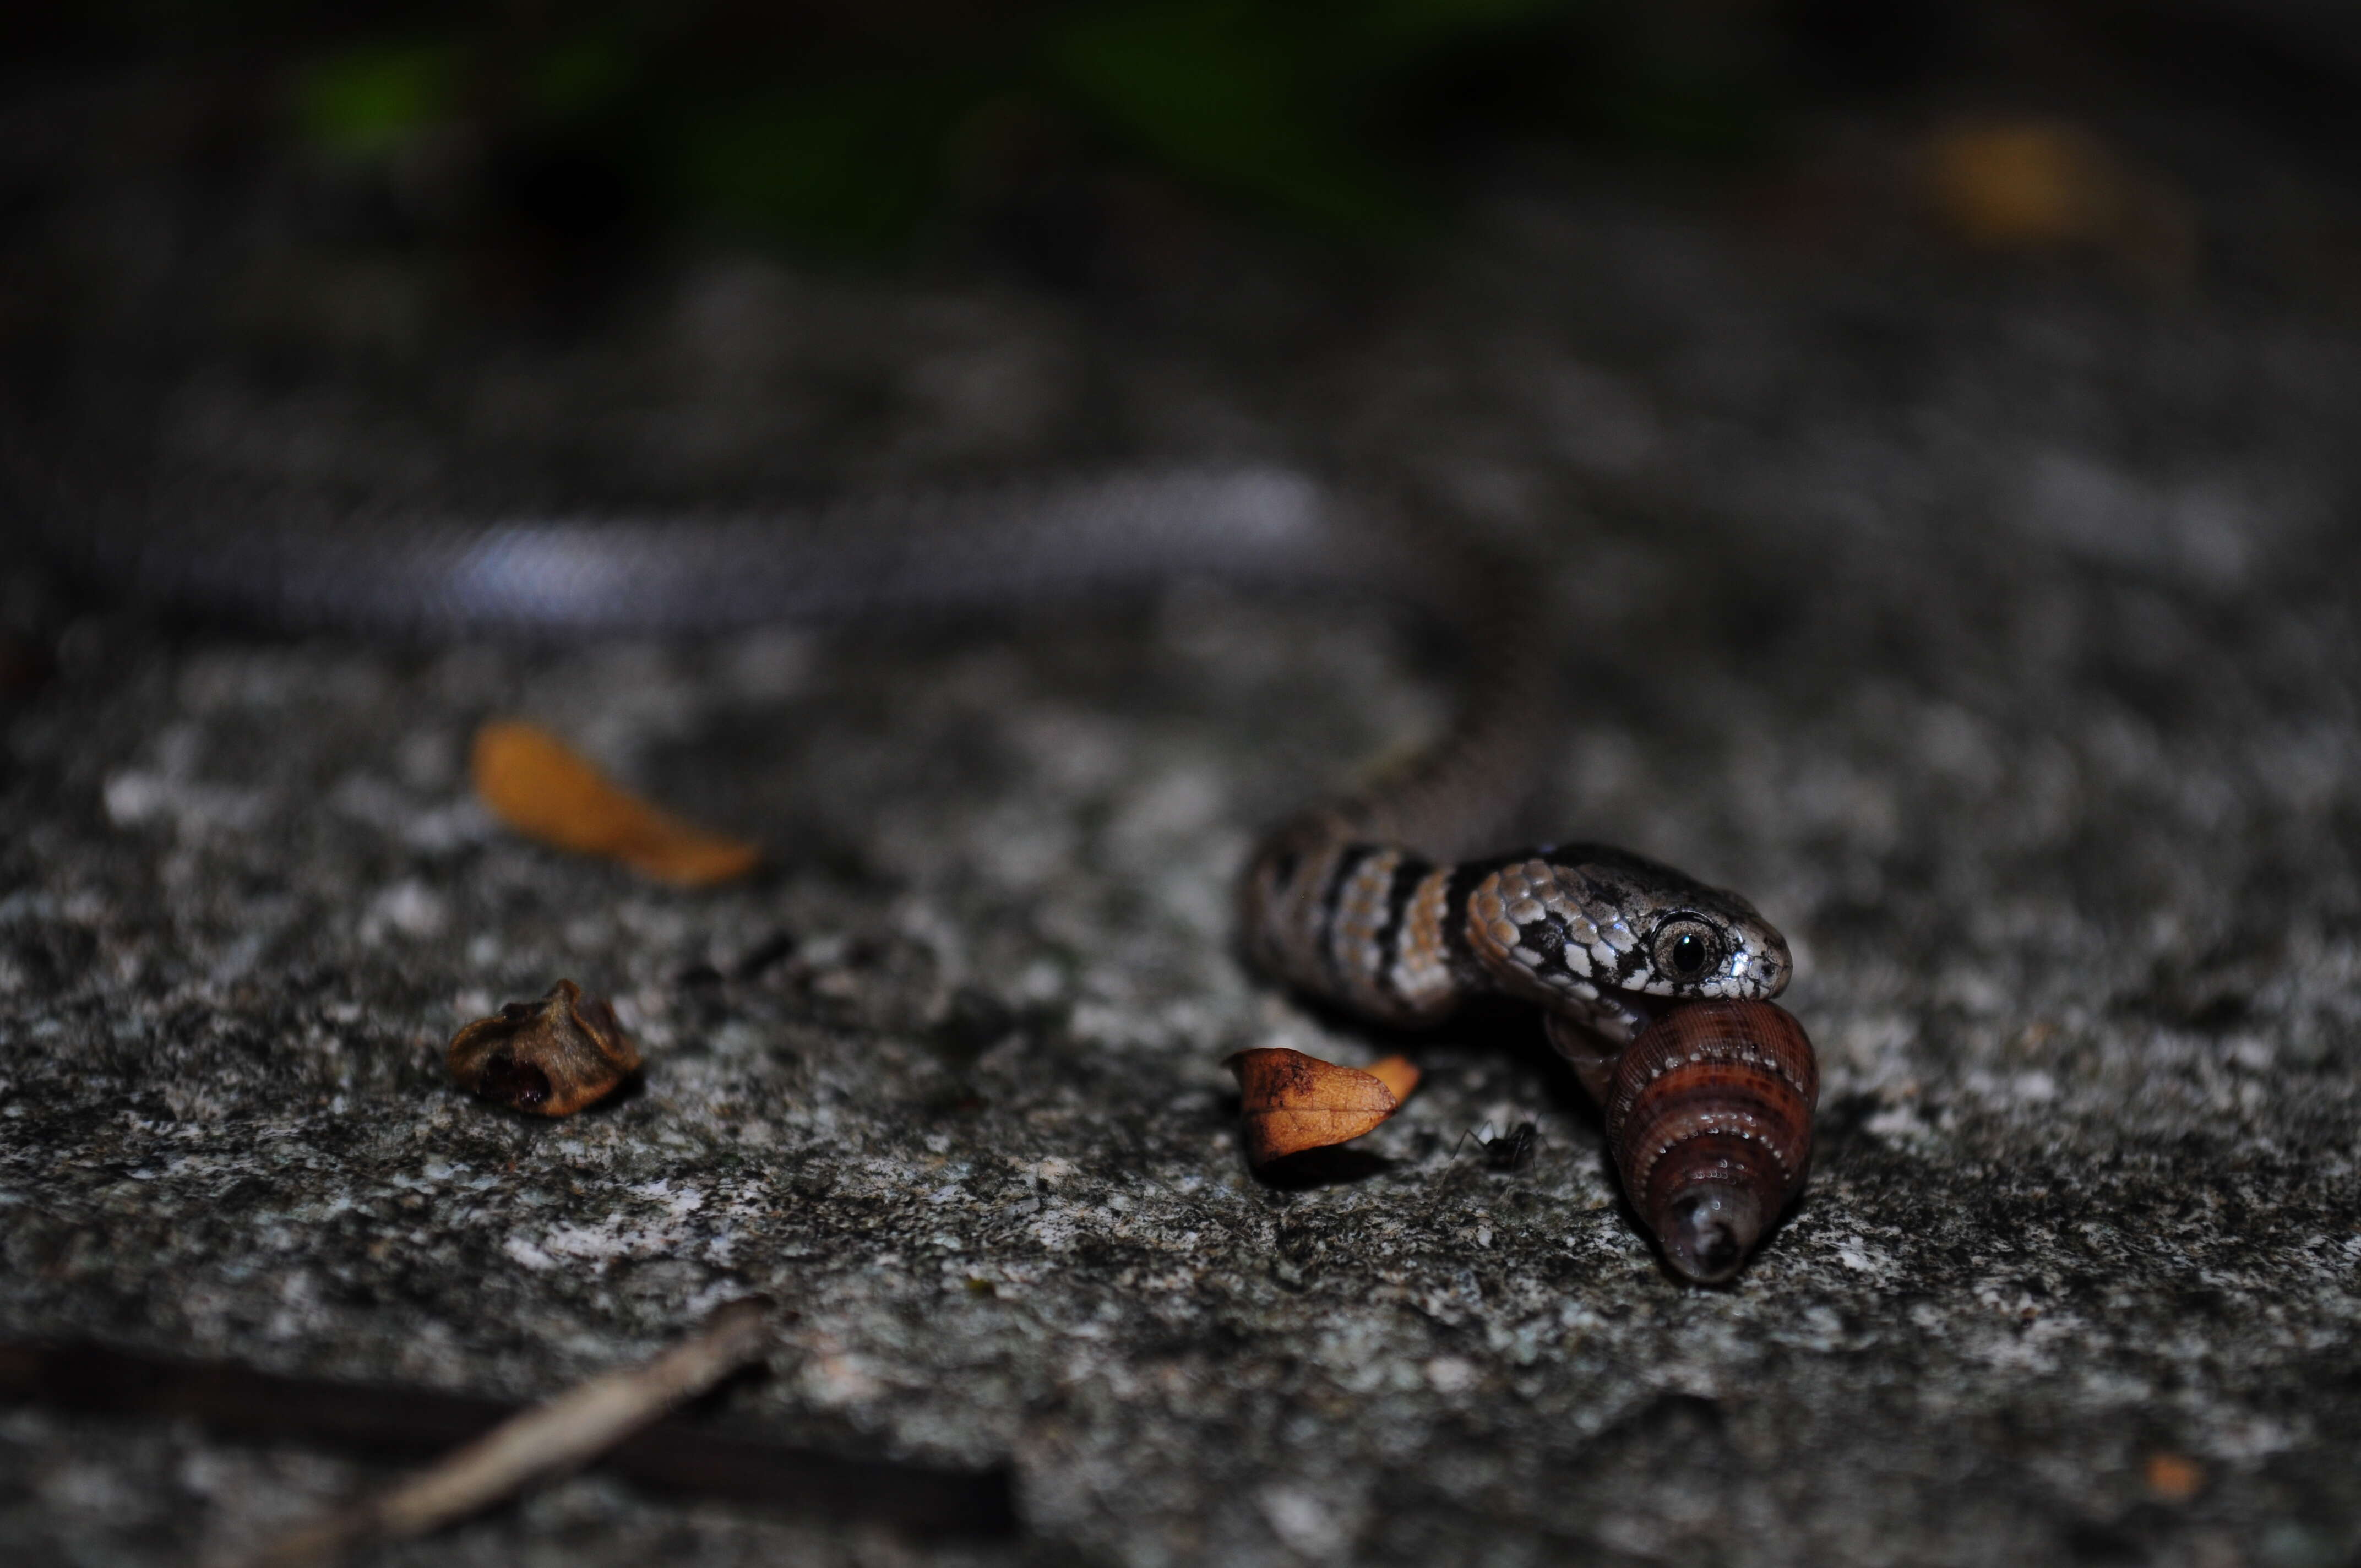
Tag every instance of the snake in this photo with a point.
(1394, 902)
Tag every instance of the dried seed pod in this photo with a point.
(551, 1056)
(1709, 1119)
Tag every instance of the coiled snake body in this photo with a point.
(1655, 986)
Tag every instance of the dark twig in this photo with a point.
(686, 1458)
(553, 1437)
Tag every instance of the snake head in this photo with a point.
(1610, 938)
(1694, 941)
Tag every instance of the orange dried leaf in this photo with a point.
(539, 786)
(2031, 183)
(1293, 1103)
(2026, 182)
(2174, 1477)
(1397, 1073)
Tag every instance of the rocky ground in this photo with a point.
(1992, 628)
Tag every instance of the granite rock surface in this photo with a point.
(1994, 632)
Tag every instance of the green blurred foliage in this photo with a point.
(365, 102)
(815, 125)
(1258, 99)
(580, 75)
(854, 164)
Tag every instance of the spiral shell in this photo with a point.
(1709, 1118)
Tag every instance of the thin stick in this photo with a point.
(680, 1456)
(560, 1435)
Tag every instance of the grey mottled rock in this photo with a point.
(1998, 638)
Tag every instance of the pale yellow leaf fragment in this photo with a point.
(1398, 1074)
(542, 788)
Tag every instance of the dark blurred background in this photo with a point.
(2171, 143)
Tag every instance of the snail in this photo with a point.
(1709, 1122)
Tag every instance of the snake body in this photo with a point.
(1384, 902)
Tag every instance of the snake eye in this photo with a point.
(1687, 949)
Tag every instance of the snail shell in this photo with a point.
(1709, 1118)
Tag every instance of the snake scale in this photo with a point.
(1392, 903)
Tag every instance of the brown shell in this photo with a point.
(551, 1057)
(1709, 1118)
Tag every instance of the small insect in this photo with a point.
(1504, 1151)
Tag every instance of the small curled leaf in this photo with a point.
(551, 1057)
(544, 789)
(1292, 1103)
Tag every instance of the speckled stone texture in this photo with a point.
(1994, 631)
